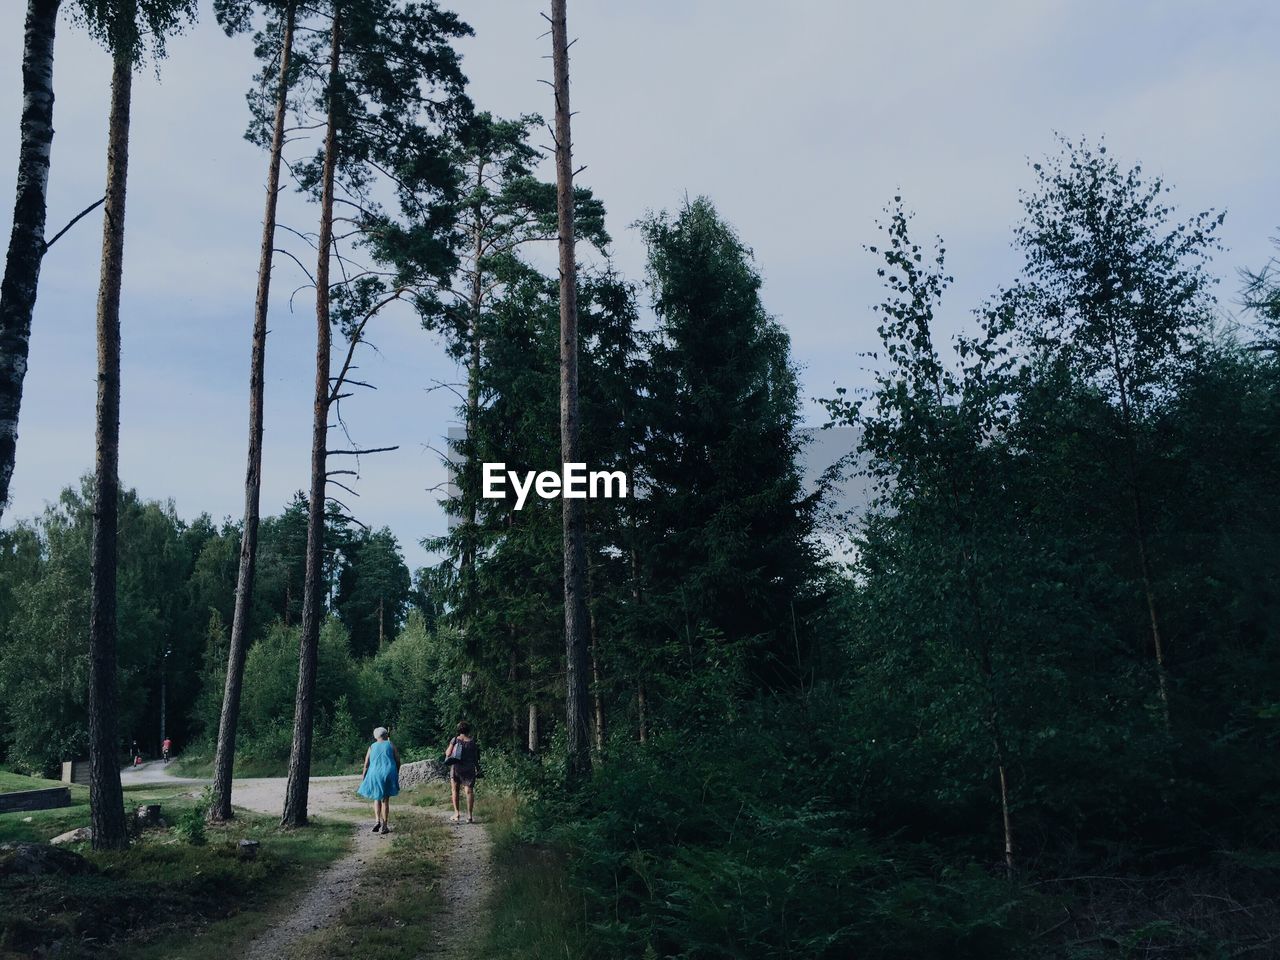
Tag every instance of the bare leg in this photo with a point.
(471, 802)
(457, 814)
(386, 812)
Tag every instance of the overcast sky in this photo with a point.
(799, 120)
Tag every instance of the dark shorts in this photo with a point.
(464, 775)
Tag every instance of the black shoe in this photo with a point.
(386, 828)
(377, 827)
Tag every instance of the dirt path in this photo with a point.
(341, 881)
(153, 771)
(468, 877)
(466, 884)
(468, 870)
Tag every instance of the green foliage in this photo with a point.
(727, 842)
(1113, 286)
(132, 28)
(989, 641)
(724, 528)
(207, 709)
(44, 638)
(1262, 299)
(270, 680)
(411, 687)
(189, 825)
(373, 590)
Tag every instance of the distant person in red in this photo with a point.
(165, 747)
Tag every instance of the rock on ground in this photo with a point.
(78, 835)
(421, 771)
(37, 859)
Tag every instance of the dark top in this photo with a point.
(470, 751)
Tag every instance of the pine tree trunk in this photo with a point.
(26, 240)
(574, 516)
(471, 469)
(106, 799)
(295, 800)
(224, 758)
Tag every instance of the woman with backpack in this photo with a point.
(463, 759)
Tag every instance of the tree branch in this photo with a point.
(74, 220)
(357, 453)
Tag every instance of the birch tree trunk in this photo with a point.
(295, 800)
(26, 239)
(224, 758)
(574, 516)
(1140, 528)
(106, 799)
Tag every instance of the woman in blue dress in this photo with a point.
(381, 777)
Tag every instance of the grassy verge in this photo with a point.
(162, 898)
(10, 781)
(534, 913)
(396, 918)
(42, 825)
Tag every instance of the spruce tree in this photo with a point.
(726, 542)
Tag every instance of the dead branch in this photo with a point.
(338, 483)
(300, 264)
(452, 388)
(309, 239)
(358, 453)
(355, 339)
(74, 220)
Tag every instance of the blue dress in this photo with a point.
(383, 779)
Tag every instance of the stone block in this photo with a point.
(422, 771)
(43, 799)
